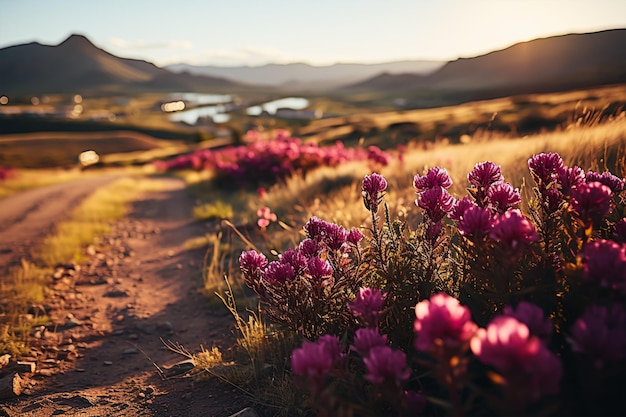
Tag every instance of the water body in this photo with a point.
(292, 103)
(217, 107)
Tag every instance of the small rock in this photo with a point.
(130, 351)
(107, 363)
(116, 293)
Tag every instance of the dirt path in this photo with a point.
(28, 216)
(103, 354)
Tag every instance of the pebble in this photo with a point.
(107, 363)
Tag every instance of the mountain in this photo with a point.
(76, 65)
(303, 76)
(541, 65)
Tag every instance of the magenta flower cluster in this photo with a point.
(442, 322)
(510, 307)
(269, 161)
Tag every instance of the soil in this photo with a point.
(112, 317)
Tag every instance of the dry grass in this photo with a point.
(53, 149)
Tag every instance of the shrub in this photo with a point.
(479, 309)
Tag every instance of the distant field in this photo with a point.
(510, 116)
(61, 149)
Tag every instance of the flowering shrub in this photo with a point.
(478, 309)
(270, 161)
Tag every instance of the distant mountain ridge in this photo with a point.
(545, 64)
(77, 65)
(300, 75)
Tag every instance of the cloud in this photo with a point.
(141, 44)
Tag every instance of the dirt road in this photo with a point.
(25, 218)
(103, 352)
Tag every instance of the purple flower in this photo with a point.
(514, 231)
(367, 338)
(368, 305)
(294, 258)
(436, 202)
(386, 366)
(371, 187)
(571, 178)
(319, 269)
(502, 196)
(545, 167)
(316, 360)
(616, 184)
(442, 320)
(592, 202)
(331, 234)
(485, 174)
(525, 363)
(601, 334)
(308, 248)
(605, 263)
(354, 236)
(434, 178)
(278, 272)
(249, 260)
(533, 317)
(475, 223)
(459, 208)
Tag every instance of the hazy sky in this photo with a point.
(253, 32)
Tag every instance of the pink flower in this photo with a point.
(545, 167)
(592, 202)
(475, 223)
(435, 177)
(570, 178)
(436, 202)
(354, 236)
(371, 187)
(331, 234)
(533, 317)
(502, 196)
(514, 231)
(459, 208)
(442, 320)
(525, 363)
(367, 338)
(278, 272)
(249, 260)
(308, 248)
(265, 217)
(601, 334)
(319, 269)
(605, 263)
(316, 360)
(485, 174)
(368, 305)
(616, 184)
(294, 258)
(386, 366)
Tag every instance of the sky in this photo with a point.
(318, 32)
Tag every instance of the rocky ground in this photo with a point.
(104, 351)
